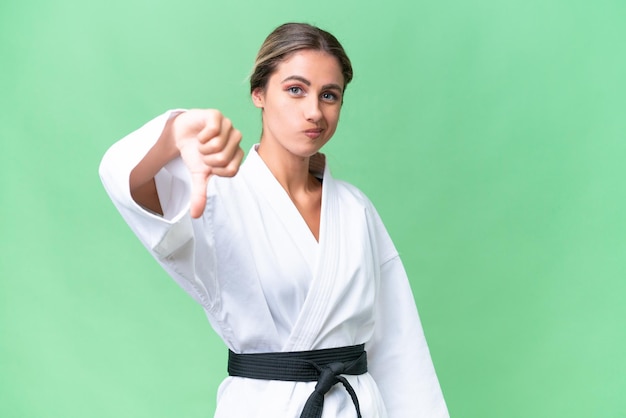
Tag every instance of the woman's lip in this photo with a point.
(313, 133)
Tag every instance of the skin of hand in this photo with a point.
(209, 145)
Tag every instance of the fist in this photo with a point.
(209, 145)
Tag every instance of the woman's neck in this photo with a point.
(291, 171)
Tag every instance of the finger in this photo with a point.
(219, 140)
(232, 168)
(227, 153)
(212, 126)
(199, 182)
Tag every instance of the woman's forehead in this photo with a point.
(318, 67)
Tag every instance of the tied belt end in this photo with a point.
(329, 376)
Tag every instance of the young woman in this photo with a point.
(294, 268)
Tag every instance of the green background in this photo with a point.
(489, 134)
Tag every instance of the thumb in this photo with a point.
(199, 182)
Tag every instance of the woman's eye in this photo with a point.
(295, 90)
(329, 97)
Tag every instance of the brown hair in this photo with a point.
(292, 37)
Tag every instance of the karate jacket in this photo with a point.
(267, 285)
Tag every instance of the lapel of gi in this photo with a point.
(268, 188)
(312, 316)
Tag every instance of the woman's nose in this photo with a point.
(312, 110)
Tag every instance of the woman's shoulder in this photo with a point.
(350, 193)
(347, 188)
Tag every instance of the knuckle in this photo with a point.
(213, 113)
(231, 171)
(213, 118)
(206, 148)
(227, 124)
(221, 159)
(209, 132)
(237, 136)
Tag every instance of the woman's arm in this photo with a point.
(141, 181)
(398, 354)
(150, 169)
(207, 143)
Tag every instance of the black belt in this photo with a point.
(324, 366)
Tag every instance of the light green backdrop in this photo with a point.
(490, 135)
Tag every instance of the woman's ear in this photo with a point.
(257, 98)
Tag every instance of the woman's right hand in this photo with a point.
(209, 145)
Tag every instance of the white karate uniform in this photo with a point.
(267, 285)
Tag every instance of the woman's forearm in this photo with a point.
(141, 182)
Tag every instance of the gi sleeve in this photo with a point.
(398, 355)
(169, 238)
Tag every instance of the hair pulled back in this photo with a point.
(290, 38)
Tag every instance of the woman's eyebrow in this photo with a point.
(298, 78)
(332, 87)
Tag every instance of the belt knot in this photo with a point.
(330, 375)
(324, 366)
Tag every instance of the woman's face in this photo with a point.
(301, 103)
